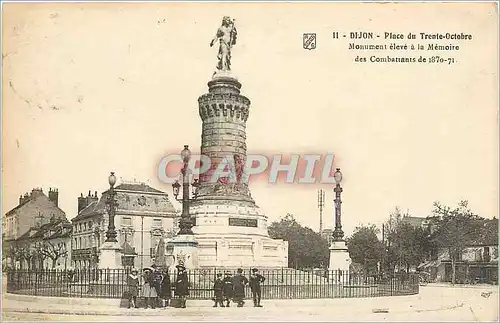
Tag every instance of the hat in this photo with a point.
(254, 270)
(134, 270)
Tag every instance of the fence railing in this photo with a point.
(283, 283)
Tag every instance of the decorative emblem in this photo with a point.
(309, 41)
(141, 201)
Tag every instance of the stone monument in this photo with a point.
(231, 230)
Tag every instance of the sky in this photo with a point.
(93, 88)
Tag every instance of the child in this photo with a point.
(218, 290)
(149, 292)
(165, 290)
(133, 288)
(182, 284)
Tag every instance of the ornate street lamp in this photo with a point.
(338, 234)
(185, 223)
(111, 206)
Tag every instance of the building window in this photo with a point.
(477, 255)
(126, 222)
(486, 254)
(76, 244)
(85, 226)
(90, 225)
(157, 223)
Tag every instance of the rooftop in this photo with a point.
(139, 187)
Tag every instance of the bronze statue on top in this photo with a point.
(226, 35)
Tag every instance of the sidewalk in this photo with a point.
(85, 306)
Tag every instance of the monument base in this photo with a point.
(236, 236)
(340, 259)
(185, 250)
(110, 256)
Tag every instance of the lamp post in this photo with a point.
(338, 234)
(185, 223)
(111, 205)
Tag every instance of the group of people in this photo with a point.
(233, 288)
(157, 289)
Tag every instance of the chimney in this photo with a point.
(91, 198)
(54, 196)
(82, 203)
(21, 199)
(36, 192)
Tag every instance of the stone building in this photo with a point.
(143, 216)
(33, 210)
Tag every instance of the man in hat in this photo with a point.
(218, 290)
(228, 288)
(239, 283)
(255, 280)
(182, 284)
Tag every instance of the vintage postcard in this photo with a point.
(204, 161)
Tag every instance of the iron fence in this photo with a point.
(285, 283)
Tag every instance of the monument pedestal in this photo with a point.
(340, 259)
(110, 256)
(184, 250)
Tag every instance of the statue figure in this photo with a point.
(226, 35)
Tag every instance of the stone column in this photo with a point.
(224, 112)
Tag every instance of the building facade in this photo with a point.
(478, 264)
(144, 215)
(34, 210)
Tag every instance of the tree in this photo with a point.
(50, 250)
(15, 252)
(306, 248)
(365, 248)
(407, 245)
(27, 253)
(456, 228)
